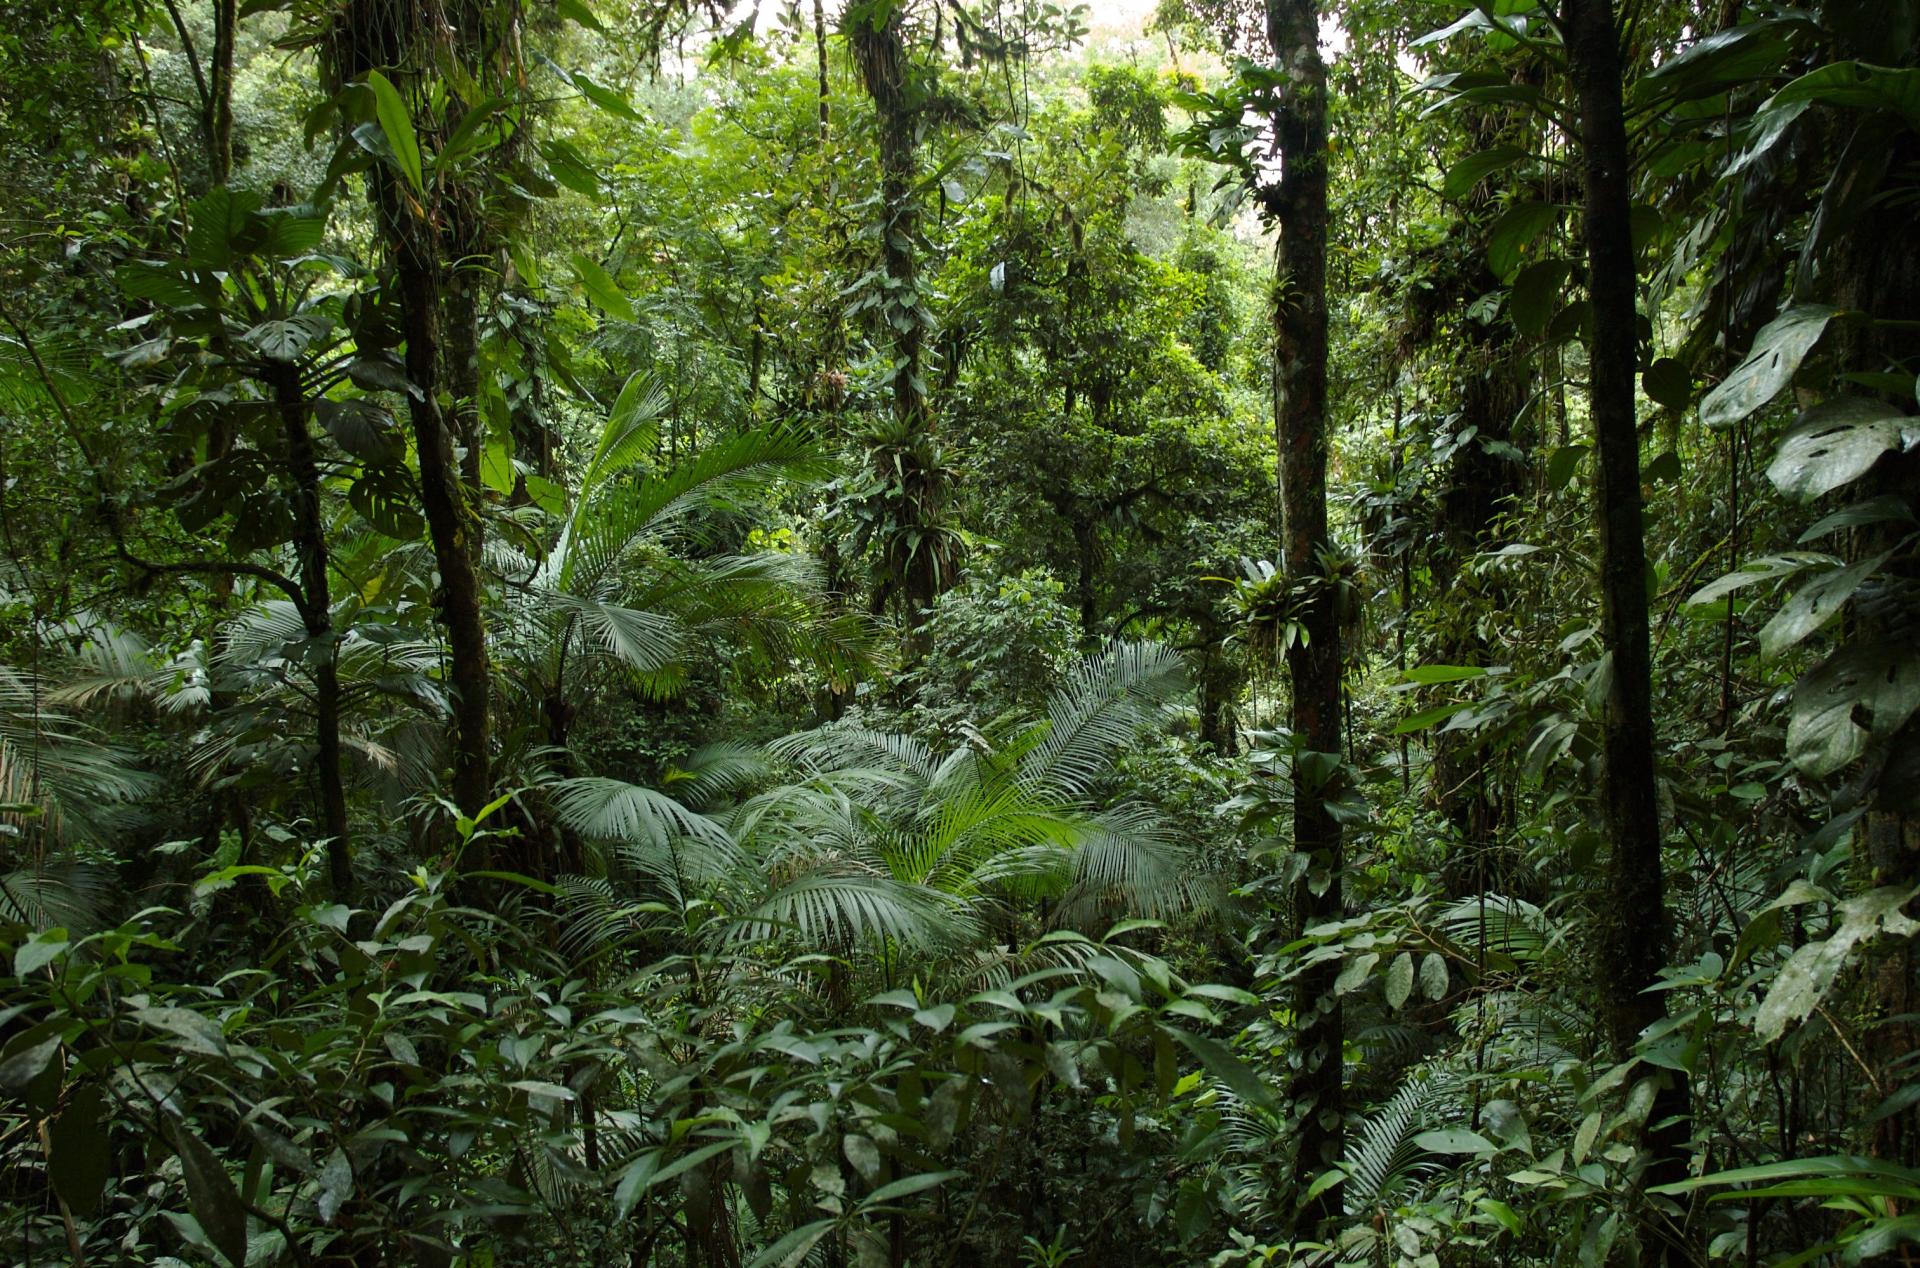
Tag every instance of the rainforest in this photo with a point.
(960, 633)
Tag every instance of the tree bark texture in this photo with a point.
(1297, 204)
(1634, 929)
(369, 35)
(917, 560)
(316, 614)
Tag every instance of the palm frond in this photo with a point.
(647, 643)
(1124, 857)
(74, 779)
(845, 908)
(1382, 1157)
(612, 810)
(63, 892)
(842, 748)
(725, 477)
(632, 429)
(711, 774)
(1099, 710)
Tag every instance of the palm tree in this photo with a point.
(66, 789)
(880, 839)
(626, 583)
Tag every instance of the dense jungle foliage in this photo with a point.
(959, 632)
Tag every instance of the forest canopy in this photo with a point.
(920, 633)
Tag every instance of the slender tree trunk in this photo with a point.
(916, 556)
(368, 35)
(820, 64)
(1298, 206)
(1634, 928)
(316, 613)
(459, 595)
(226, 26)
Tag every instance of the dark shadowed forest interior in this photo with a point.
(959, 633)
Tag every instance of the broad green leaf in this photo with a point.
(643, 1175)
(580, 13)
(286, 340)
(547, 495)
(336, 1185)
(1666, 383)
(217, 224)
(1736, 55)
(792, 1250)
(1805, 978)
(20, 1069)
(1218, 1060)
(385, 500)
(210, 1193)
(1778, 350)
(1430, 717)
(1427, 675)
(937, 1018)
(1770, 568)
(1514, 232)
(1463, 176)
(193, 1032)
(1886, 509)
(1433, 976)
(602, 289)
(396, 124)
(1859, 85)
(1814, 604)
(1536, 296)
(609, 100)
(1879, 681)
(1454, 1140)
(570, 167)
(40, 950)
(863, 1154)
(908, 1186)
(1563, 463)
(1836, 1165)
(496, 466)
(79, 1161)
(1227, 994)
(1399, 983)
(1508, 1218)
(1354, 974)
(1838, 442)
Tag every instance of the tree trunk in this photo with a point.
(916, 557)
(1633, 928)
(316, 614)
(459, 595)
(820, 64)
(1298, 206)
(368, 35)
(226, 26)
